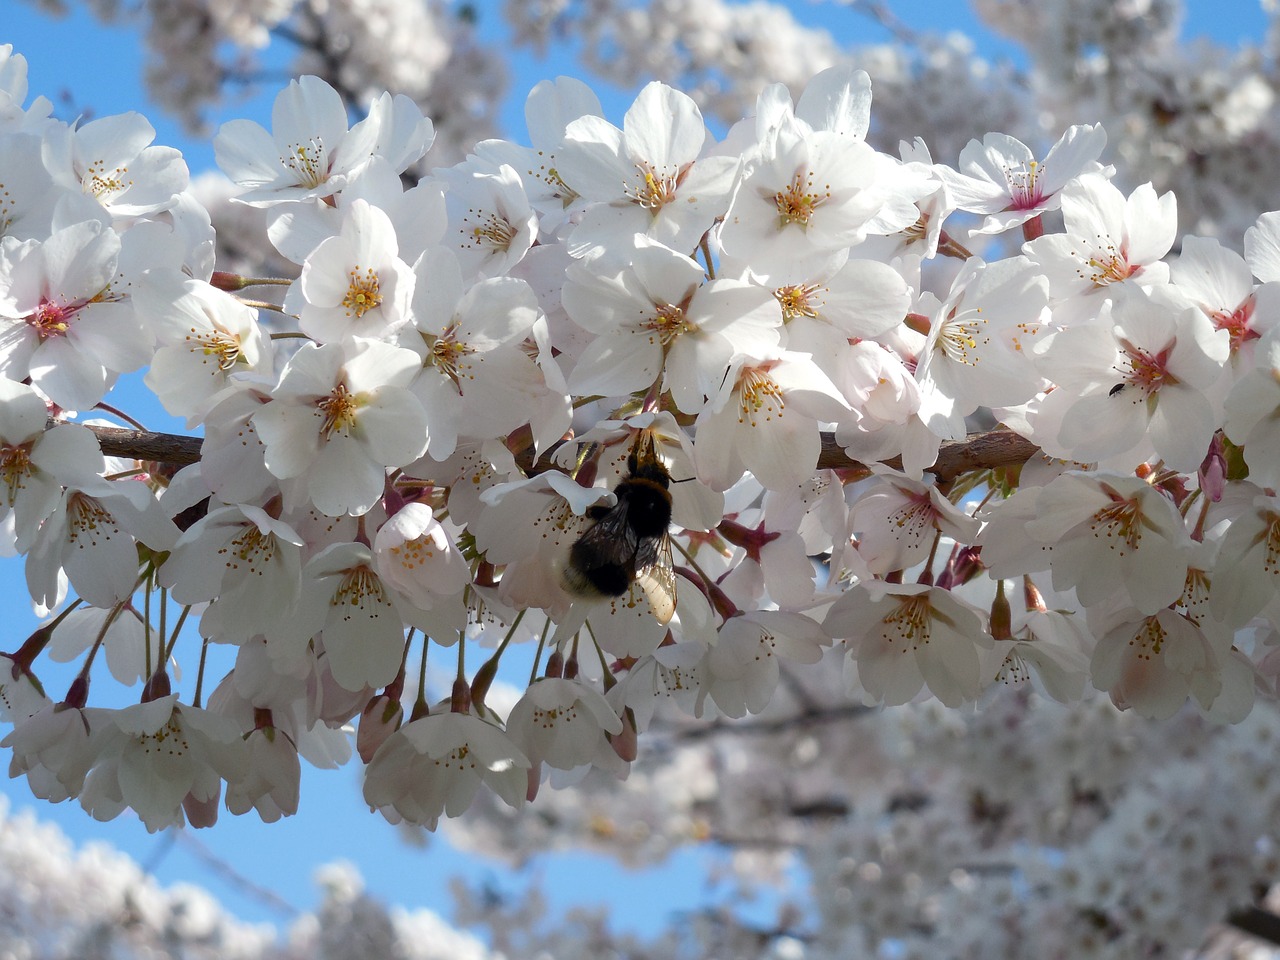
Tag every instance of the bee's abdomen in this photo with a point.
(583, 575)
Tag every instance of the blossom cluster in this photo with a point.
(402, 453)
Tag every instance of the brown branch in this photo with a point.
(1262, 924)
(166, 448)
(981, 451)
(998, 448)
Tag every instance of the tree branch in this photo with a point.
(169, 449)
(982, 451)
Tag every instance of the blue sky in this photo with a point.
(81, 65)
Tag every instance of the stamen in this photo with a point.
(362, 292)
(309, 161)
(797, 203)
(339, 411)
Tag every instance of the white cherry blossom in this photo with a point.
(354, 284)
(112, 160)
(647, 178)
(310, 152)
(64, 321)
(898, 521)
(1111, 536)
(474, 379)
(492, 224)
(1137, 376)
(433, 766)
(563, 724)
(36, 461)
(659, 316)
(741, 669)
(1110, 242)
(244, 560)
(159, 757)
(90, 537)
(764, 418)
(206, 338)
(339, 417)
(901, 637)
(548, 110)
(1001, 178)
(980, 342)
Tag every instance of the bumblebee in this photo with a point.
(629, 542)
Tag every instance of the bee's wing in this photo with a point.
(610, 540)
(656, 576)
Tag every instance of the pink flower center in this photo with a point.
(1024, 186)
(1236, 323)
(1147, 371)
(51, 319)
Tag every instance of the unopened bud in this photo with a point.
(380, 718)
(627, 743)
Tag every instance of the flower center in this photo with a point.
(1147, 371)
(339, 411)
(1024, 185)
(961, 334)
(169, 739)
(1108, 266)
(447, 356)
(15, 467)
(1014, 669)
(559, 188)
(798, 300)
(489, 231)
(87, 518)
(51, 319)
(308, 161)
(655, 188)
(1271, 562)
(415, 553)
(909, 622)
(799, 200)
(103, 185)
(359, 584)
(668, 323)
(252, 548)
(362, 292)
(919, 230)
(223, 346)
(759, 397)
(1237, 323)
(1119, 522)
(1149, 640)
(915, 516)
